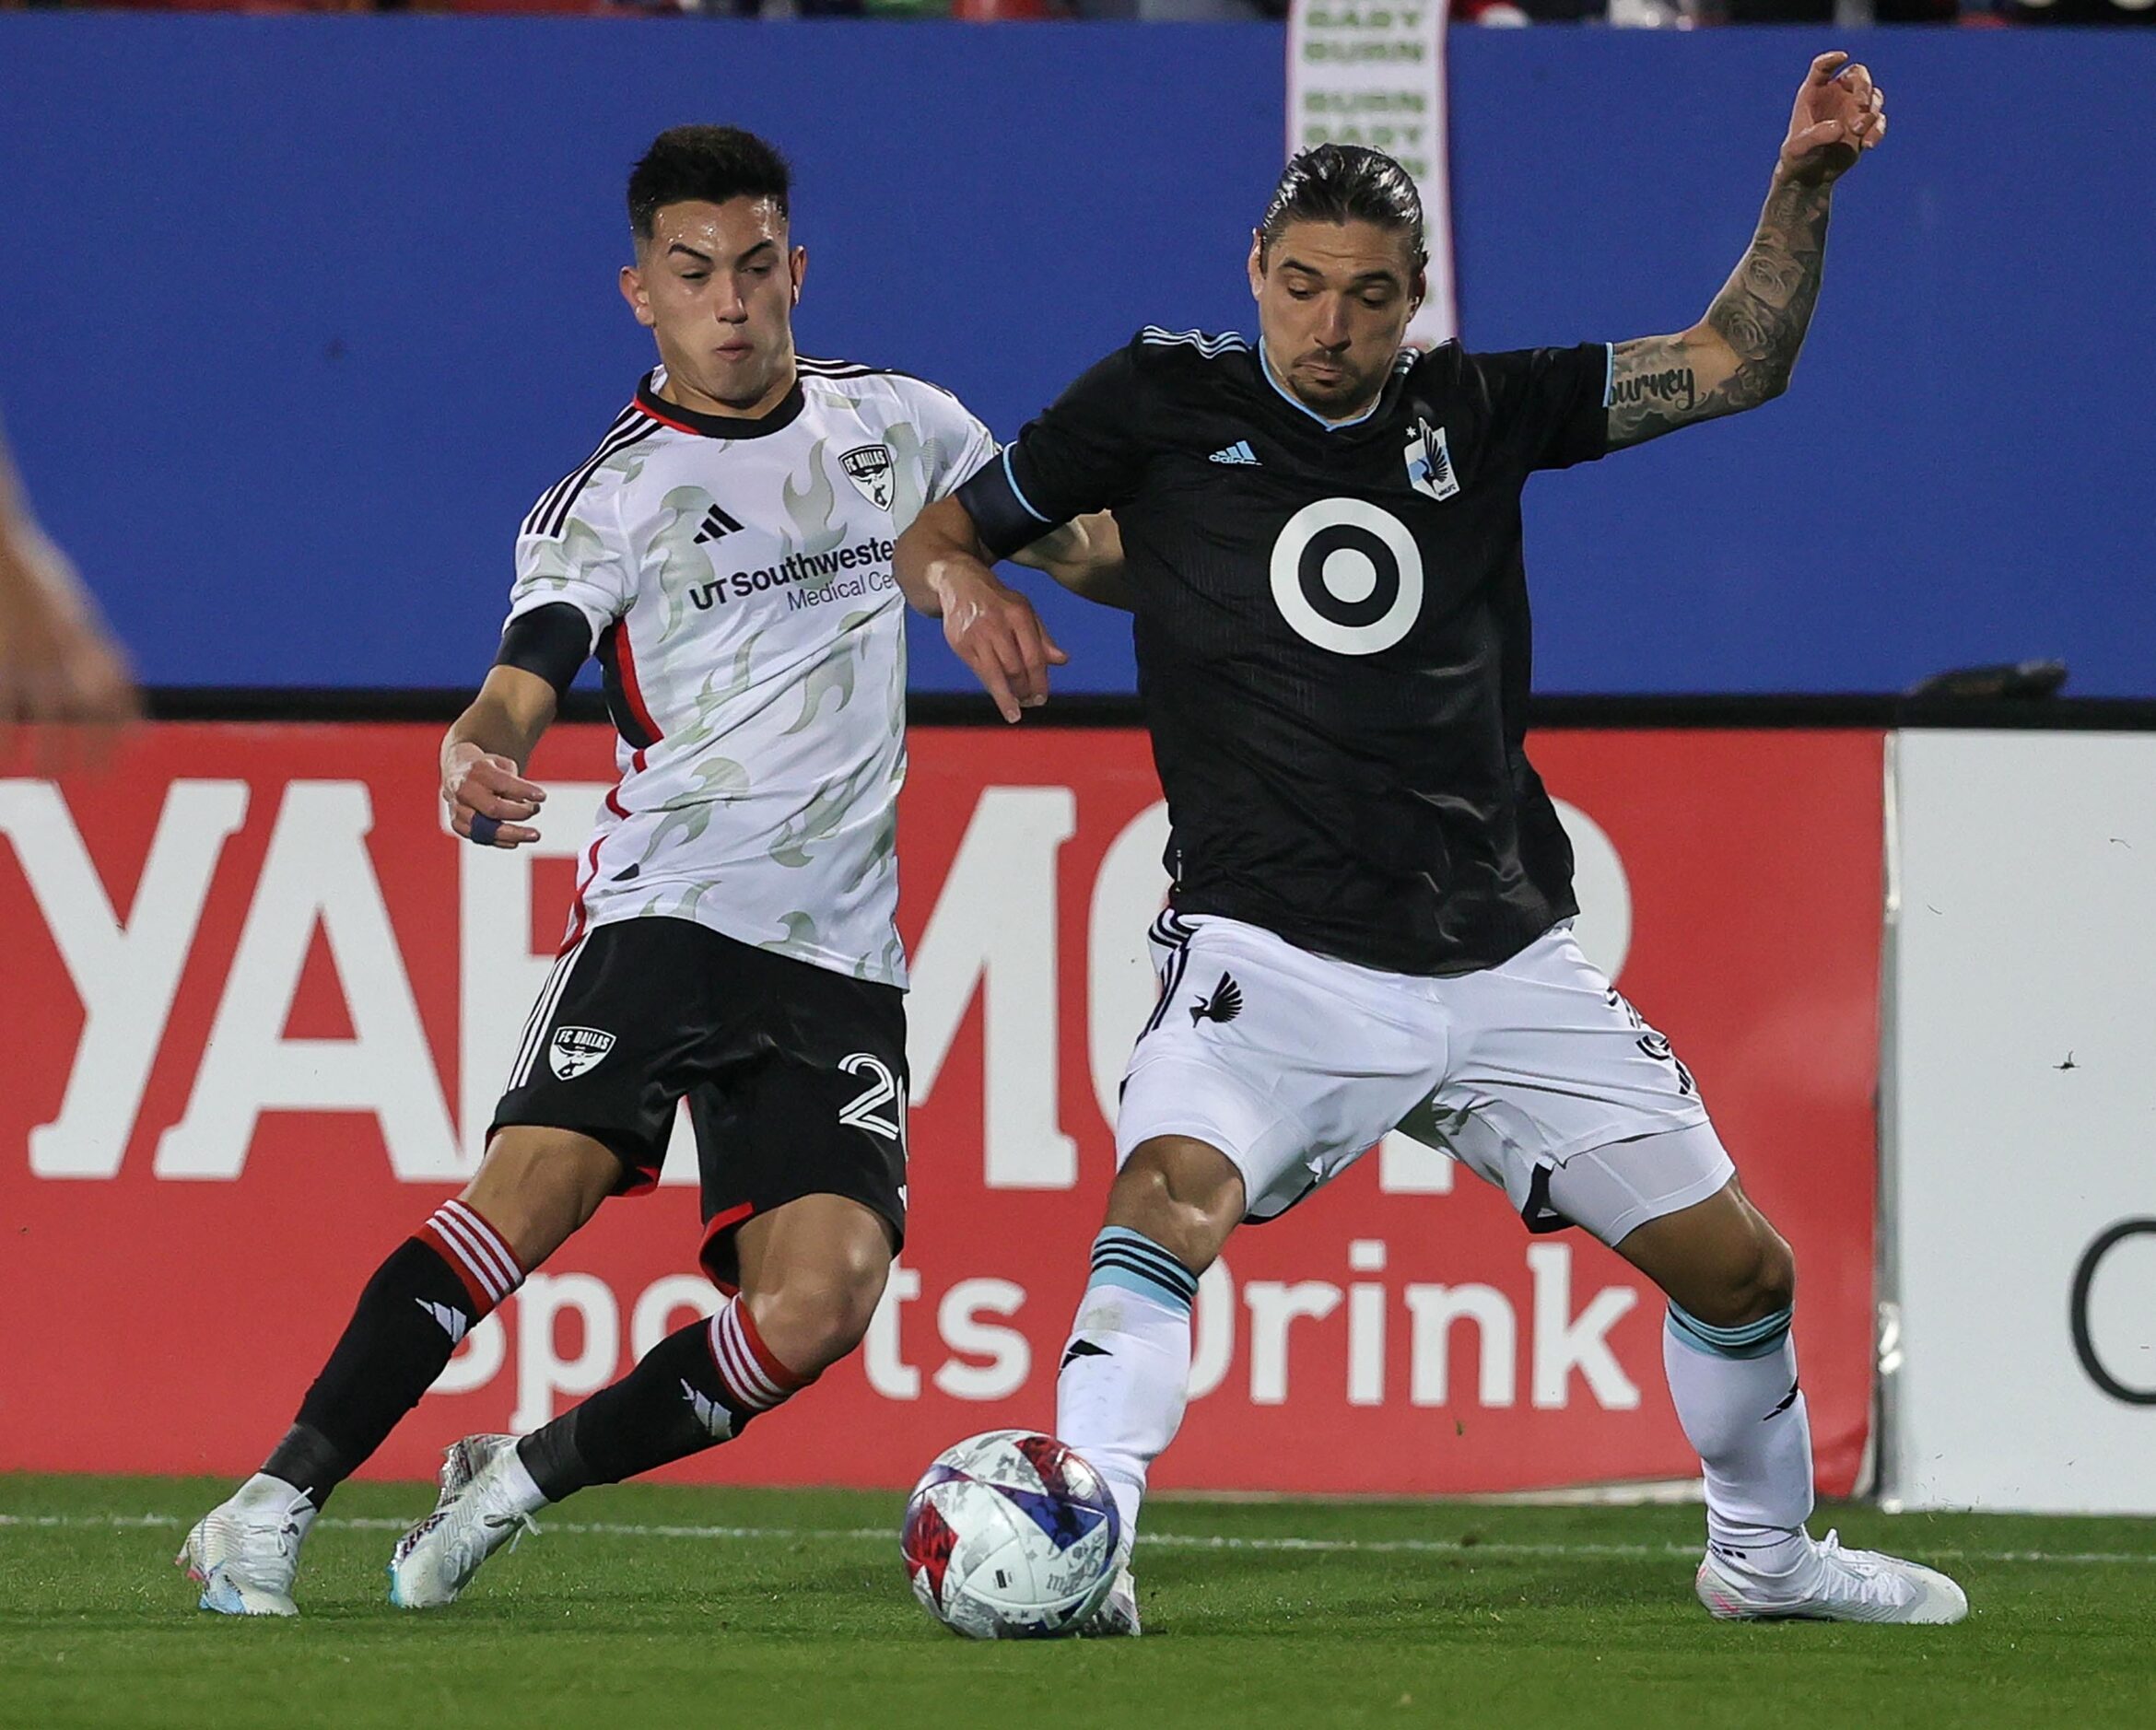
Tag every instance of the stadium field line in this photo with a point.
(1153, 1540)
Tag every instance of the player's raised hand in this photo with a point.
(1840, 113)
(995, 631)
(60, 672)
(477, 787)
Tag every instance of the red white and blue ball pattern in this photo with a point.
(1011, 1536)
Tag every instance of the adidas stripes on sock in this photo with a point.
(434, 1288)
(1737, 1396)
(696, 1388)
(1126, 1372)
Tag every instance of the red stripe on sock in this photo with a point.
(783, 1378)
(505, 1257)
(482, 1300)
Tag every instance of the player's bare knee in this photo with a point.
(814, 1316)
(537, 1186)
(1183, 1195)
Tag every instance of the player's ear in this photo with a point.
(1418, 291)
(632, 291)
(797, 263)
(1256, 264)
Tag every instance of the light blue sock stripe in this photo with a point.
(1143, 1287)
(1133, 1262)
(1751, 1339)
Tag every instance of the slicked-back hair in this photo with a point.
(1335, 182)
(706, 165)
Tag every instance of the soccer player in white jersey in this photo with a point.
(725, 552)
(1372, 920)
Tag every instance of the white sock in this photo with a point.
(1126, 1372)
(1737, 1396)
(522, 1488)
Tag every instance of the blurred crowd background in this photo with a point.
(1635, 14)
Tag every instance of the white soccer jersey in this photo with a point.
(736, 576)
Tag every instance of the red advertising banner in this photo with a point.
(258, 1002)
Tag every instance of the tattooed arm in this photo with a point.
(1743, 353)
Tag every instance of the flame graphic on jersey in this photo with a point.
(683, 565)
(813, 509)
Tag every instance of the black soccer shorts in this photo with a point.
(795, 1075)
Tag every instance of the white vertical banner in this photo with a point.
(2021, 1122)
(1375, 75)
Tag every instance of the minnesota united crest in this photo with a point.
(868, 468)
(1429, 463)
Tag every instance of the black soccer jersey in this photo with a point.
(1333, 630)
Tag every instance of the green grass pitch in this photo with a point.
(658, 1605)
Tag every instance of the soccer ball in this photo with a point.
(1011, 1536)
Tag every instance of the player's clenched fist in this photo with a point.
(995, 631)
(488, 801)
(1839, 114)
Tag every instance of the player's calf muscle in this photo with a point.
(1720, 1259)
(1185, 1196)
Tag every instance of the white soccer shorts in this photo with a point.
(1538, 1076)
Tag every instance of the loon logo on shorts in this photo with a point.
(1224, 1004)
(868, 468)
(575, 1049)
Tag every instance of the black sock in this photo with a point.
(671, 1405)
(409, 1319)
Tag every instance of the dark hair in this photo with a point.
(1335, 182)
(709, 164)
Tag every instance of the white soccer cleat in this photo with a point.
(245, 1551)
(481, 1508)
(1833, 1584)
(1117, 1613)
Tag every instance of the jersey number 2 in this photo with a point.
(884, 1089)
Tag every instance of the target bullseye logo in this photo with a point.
(1347, 576)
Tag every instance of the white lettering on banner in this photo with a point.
(542, 1372)
(993, 931)
(126, 974)
(1366, 1326)
(1565, 1342)
(316, 871)
(477, 1361)
(988, 1361)
(1272, 1306)
(1128, 891)
(659, 1310)
(882, 1351)
(1212, 1330)
(1435, 1309)
(1010, 1357)
(1408, 1167)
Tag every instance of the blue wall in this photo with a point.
(298, 314)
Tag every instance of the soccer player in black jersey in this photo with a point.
(1371, 921)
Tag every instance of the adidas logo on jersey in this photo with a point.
(1238, 453)
(716, 523)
